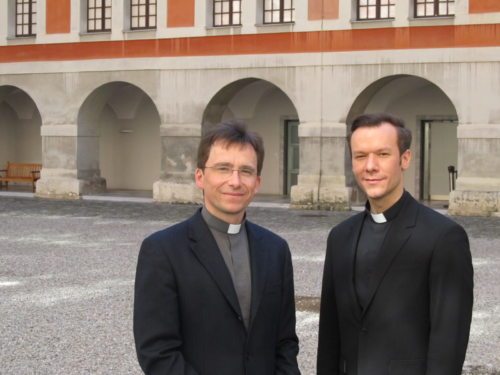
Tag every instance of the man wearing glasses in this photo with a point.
(214, 294)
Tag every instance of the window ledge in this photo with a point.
(432, 18)
(223, 27)
(224, 30)
(95, 36)
(140, 34)
(12, 40)
(275, 27)
(135, 31)
(86, 33)
(372, 23)
(426, 21)
(262, 24)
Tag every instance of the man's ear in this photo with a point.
(257, 185)
(405, 160)
(198, 178)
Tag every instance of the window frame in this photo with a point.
(378, 6)
(436, 4)
(31, 14)
(231, 12)
(281, 9)
(147, 4)
(102, 19)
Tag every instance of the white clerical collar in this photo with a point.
(378, 218)
(220, 225)
(234, 228)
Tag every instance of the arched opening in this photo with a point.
(20, 123)
(125, 124)
(432, 118)
(270, 112)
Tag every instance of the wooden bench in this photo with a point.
(20, 172)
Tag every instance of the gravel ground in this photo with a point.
(67, 274)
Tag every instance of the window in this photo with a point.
(434, 8)
(25, 17)
(99, 15)
(376, 9)
(227, 12)
(278, 11)
(142, 14)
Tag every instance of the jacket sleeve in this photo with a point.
(451, 298)
(329, 333)
(156, 315)
(288, 344)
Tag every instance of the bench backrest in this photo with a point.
(22, 169)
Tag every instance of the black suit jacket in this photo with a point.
(187, 318)
(418, 316)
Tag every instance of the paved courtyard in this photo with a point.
(67, 274)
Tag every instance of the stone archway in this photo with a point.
(418, 102)
(20, 123)
(121, 143)
(270, 112)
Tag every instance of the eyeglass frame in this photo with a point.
(227, 171)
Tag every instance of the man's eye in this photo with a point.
(247, 172)
(223, 169)
(359, 157)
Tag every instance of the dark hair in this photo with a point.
(377, 119)
(230, 132)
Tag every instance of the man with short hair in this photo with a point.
(398, 280)
(214, 294)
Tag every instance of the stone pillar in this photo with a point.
(321, 182)
(70, 163)
(477, 190)
(179, 144)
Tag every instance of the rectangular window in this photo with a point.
(25, 17)
(227, 12)
(99, 15)
(279, 11)
(142, 14)
(434, 8)
(376, 9)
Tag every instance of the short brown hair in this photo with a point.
(377, 119)
(230, 132)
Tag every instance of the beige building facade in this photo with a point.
(123, 108)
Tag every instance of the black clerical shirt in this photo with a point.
(370, 244)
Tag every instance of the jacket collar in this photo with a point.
(402, 226)
(208, 254)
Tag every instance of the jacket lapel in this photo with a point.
(259, 264)
(206, 250)
(353, 238)
(398, 234)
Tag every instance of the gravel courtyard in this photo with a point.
(67, 275)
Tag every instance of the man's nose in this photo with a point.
(371, 163)
(235, 179)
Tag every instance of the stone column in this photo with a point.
(477, 190)
(70, 163)
(178, 163)
(321, 182)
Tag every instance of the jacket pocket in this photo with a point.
(408, 367)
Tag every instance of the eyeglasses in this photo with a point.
(226, 171)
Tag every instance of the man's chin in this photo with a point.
(373, 193)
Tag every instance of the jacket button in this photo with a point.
(364, 330)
